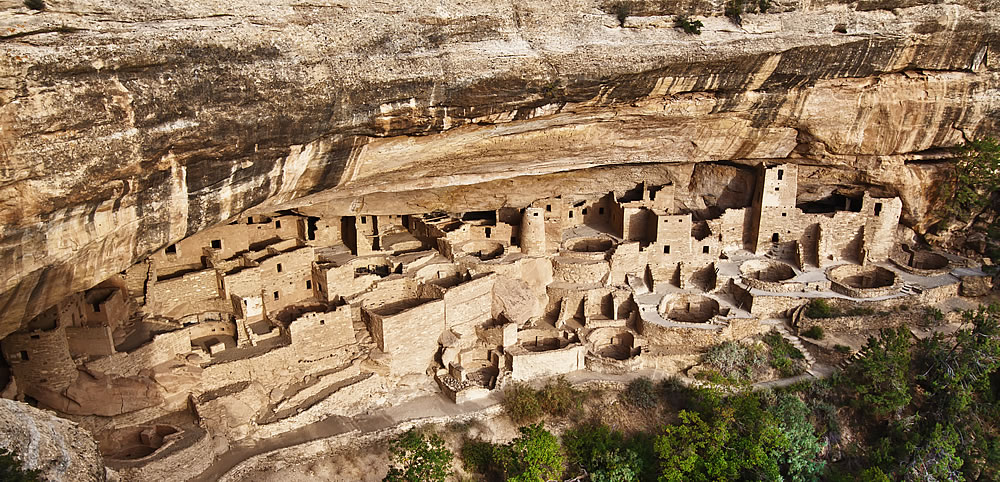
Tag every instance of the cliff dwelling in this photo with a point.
(273, 317)
(238, 238)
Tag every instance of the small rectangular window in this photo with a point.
(279, 267)
(584, 211)
(777, 189)
(250, 220)
(666, 249)
(488, 232)
(784, 215)
(571, 214)
(97, 307)
(277, 225)
(309, 285)
(172, 249)
(878, 208)
(364, 220)
(216, 244)
(704, 249)
(275, 295)
(513, 240)
(781, 173)
(548, 207)
(35, 337)
(600, 210)
(774, 238)
(24, 355)
(536, 214)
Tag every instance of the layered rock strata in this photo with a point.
(124, 128)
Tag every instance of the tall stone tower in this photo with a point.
(533, 231)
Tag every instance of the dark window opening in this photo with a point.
(275, 295)
(24, 355)
(784, 215)
(777, 189)
(536, 214)
(513, 240)
(250, 220)
(571, 214)
(277, 225)
(35, 337)
(216, 244)
(489, 216)
(322, 322)
(364, 220)
(600, 210)
(309, 285)
(774, 238)
(311, 228)
(244, 302)
(831, 204)
(878, 208)
(666, 250)
(548, 207)
(279, 267)
(489, 232)
(584, 211)
(172, 249)
(781, 173)
(97, 307)
(704, 249)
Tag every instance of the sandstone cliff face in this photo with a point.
(126, 127)
(60, 449)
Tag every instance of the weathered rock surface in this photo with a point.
(125, 127)
(59, 448)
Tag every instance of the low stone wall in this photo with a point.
(90, 340)
(164, 347)
(171, 464)
(528, 365)
(574, 270)
(846, 278)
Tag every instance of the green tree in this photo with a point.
(417, 457)
(602, 453)
(521, 403)
(974, 179)
(800, 461)
(533, 456)
(696, 450)
(882, 380)
(13, 470)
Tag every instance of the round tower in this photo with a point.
(533, 231)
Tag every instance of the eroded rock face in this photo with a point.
(59, 448)
(124, 128)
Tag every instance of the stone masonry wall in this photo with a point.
(164, 347)
(40, 358)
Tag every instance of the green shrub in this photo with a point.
(535, 455)
(820, 308)
(713, 376)
(932, 316)
(860, 311)
(687, 25)
(12, 468)
(784, 357)
(559, 398)
(763, 5)
(477, 456)
(35, 4)
(815, 332)
(639, 393)
(737, 361)
(416, 456)
(521, 403)
(842, 349)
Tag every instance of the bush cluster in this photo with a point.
(735, 361)
(687, 25)
(784, 357)
(639, 393)
(815, 332)
(524, 404)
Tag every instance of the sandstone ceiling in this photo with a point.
(125, 126)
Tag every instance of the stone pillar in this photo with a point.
(533, 231)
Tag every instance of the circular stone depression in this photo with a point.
(611, 342)
(919, 261)
(484, 250)
(689, 308)
(136, 442)
(769, 271)
(863, 281)
(590, 245)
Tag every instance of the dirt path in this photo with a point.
(421, 407)
(428, 406)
